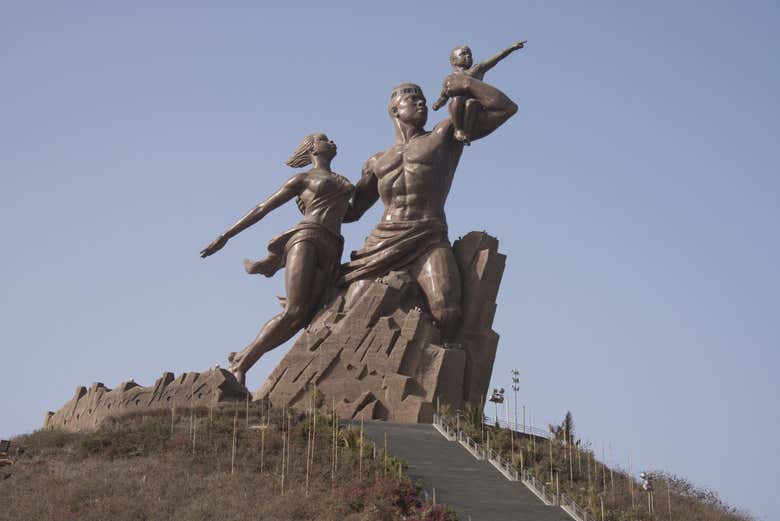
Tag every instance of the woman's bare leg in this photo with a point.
(300, 283)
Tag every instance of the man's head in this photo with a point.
(407, 105)
(461, 58)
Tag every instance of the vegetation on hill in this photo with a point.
(229, 463)
(569, 466)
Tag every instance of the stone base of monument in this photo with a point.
(381, 356)
(89, 407)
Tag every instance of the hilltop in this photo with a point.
(227, 463)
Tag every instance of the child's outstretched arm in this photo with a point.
(490, 63)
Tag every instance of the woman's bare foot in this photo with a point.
(251, 267)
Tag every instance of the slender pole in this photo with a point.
(385, 454)
(481, 417)
(512, 433)
(262, 449)
(524, 419)
(194, 426)
(557, 490)
(233, 452)
(314, 427)
(308, 449)
(571, 464)
(284, 452)
(649, 505)
(360, 468)
(336, 446)
(579, 461)
(587, 462)
(611, 464)
(551, 458)
(192, 403)
(289, 445)
(603, 467)
(601, 498)
(630, 482)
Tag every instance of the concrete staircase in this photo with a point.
(472, 487)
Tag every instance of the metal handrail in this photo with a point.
(522, 429)
(473, 445)
(574, 509)
(543, 490)
(504, 464)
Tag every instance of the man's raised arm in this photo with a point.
(497, 106)
(366, 192)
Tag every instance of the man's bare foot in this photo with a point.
(234, 360)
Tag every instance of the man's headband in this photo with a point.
(407, 88)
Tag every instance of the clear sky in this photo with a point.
(635, 194)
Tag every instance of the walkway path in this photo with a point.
(472, 487)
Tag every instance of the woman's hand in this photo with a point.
(214, 247)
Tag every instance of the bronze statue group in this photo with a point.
(412, 177)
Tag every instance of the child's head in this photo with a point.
(460, 57)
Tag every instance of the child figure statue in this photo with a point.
(463, 111)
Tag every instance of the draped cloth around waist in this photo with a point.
(393, 245)
(329, 247)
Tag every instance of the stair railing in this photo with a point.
(505, 466)
(574, 510)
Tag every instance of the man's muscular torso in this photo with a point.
(414, 178)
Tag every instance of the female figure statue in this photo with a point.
(310, 252)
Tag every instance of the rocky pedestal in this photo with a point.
(89, 407)
(381, 356)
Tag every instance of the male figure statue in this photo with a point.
(413, 178)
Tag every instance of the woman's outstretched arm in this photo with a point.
(294, 186)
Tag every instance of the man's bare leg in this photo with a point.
(301, 284)
(439, 278)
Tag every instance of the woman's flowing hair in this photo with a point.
(301, 156)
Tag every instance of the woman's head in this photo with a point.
(312, 145)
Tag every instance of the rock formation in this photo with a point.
(89, 407)
(380, 357)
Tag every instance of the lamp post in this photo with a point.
(497, 397)
(515, 388)
(647, 484)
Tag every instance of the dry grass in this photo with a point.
(138, 468)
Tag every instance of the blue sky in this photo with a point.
(635, 194)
